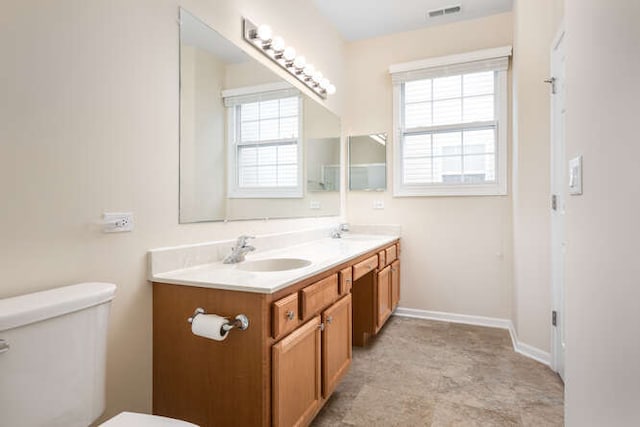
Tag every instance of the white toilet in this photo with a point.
(53, 357)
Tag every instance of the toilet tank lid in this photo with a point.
(30, 308)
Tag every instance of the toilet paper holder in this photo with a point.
(241, 321)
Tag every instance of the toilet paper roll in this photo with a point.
(209, 326)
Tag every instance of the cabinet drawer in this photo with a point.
(319, 295)
(382, 259)
(392, 254)
(345, 280)
(363, 267)
(285, 315)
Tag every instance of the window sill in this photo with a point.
(450, 190)
(266, 194)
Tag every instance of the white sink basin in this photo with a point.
(273, 264)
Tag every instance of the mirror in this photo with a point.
(367, 162)
(252, 146)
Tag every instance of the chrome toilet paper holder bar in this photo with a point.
(241, 321)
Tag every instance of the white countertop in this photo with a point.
(323, 253)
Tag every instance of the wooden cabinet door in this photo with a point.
(395, 284)
(383, 297)
(336, 344)
(297, 376)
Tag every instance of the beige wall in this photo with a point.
(602, 268)
(250, 73)
(90, 124)
(456, 250)
(535, 25)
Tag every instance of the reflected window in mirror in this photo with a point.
(265, 152)
(368, 162)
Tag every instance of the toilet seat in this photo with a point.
(133, 419)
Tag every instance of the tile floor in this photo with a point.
(426, 373)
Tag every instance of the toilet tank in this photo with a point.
(53, 371)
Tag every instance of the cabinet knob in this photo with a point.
(321, 326)
(290, 315)
(348, 280)
(329, 319)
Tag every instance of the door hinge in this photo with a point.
(554, 202)
(552, 82)
(554, 318)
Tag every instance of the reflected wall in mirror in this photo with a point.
(367, 162)
(251, 145)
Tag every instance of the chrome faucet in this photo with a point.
(239, 250)
(336, 233)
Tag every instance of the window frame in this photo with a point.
(253, 94)
(460, 64)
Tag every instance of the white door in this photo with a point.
(559, 188)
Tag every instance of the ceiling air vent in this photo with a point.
(444, 11)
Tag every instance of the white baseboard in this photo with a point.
(491, 322)
(530, 351)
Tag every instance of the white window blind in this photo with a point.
(450, 122)
(265, 148)
(464, 150)
(267, 144)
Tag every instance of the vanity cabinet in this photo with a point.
(282, 369)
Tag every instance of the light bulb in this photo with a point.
(309, 69)
(317, 76)
(300, 62)
(277, 44)
(289, 53)
(324, 83)
(264, 33)
(331, 89)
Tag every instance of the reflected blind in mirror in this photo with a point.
(267, 143)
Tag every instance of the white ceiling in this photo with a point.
(361, 19)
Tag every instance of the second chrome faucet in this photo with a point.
(336, 233)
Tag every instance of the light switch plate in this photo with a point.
(314, 204)
(378, 204)
(575, 176)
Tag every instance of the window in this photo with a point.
(450, 121)
(264, 151)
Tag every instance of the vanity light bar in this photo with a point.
(262, 38)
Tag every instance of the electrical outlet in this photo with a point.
(117, 222)
(314, 204)
(378, 204)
